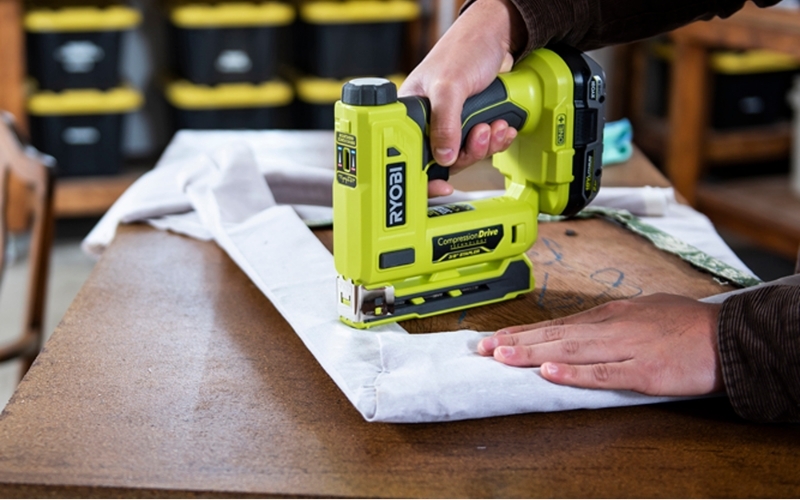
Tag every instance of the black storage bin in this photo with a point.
(231, 106)
(236, 42)
(82, 129)
(352, 37)
(77, 47)
(749, 87)
(315, 98)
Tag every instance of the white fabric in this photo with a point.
(387, 374)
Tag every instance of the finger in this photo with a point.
(502, 137)
(571, 350)
(620, 375)
(512, 337)
(439, 187)
(483, 141)
(476, 147)
(548, 333)
(445, 132)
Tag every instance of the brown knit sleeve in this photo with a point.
(590, 24)
(759, 347)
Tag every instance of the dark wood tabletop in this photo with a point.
(171, 375)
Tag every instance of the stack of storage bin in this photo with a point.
(227, 57)
(77, 108)
(337, 40)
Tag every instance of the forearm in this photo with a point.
(590, 24)
(759, 347)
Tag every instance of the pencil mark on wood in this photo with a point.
(546, 301)
(556, 253)
(617, 288)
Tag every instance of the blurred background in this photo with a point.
(103, 86)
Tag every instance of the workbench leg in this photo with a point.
(688, 118)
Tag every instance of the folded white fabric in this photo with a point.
(388, 375)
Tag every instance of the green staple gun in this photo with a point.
(397, 258)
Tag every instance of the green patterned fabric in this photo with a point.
(725, 273)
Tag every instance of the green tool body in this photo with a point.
(398, 258)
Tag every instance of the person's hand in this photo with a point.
(477, 47)
(658, 345)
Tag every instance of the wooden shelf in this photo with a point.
(763, 209)
(761, 143)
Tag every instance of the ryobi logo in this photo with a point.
(395, 194)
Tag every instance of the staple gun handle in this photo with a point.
(486, 107)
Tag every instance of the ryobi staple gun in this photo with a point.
(396, 257)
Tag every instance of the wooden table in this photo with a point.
(172, 376)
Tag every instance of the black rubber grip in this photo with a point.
(486, 107)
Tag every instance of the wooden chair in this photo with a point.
(30, 168)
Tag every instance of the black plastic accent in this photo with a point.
(419, 110)
(588, 121)
(388, 260)
(485, 107)
(516, 278)
(392, 152)
(369, 92)
(585, 131)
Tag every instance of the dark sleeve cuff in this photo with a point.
(547, 21)
(759, 348)
(591, 24)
